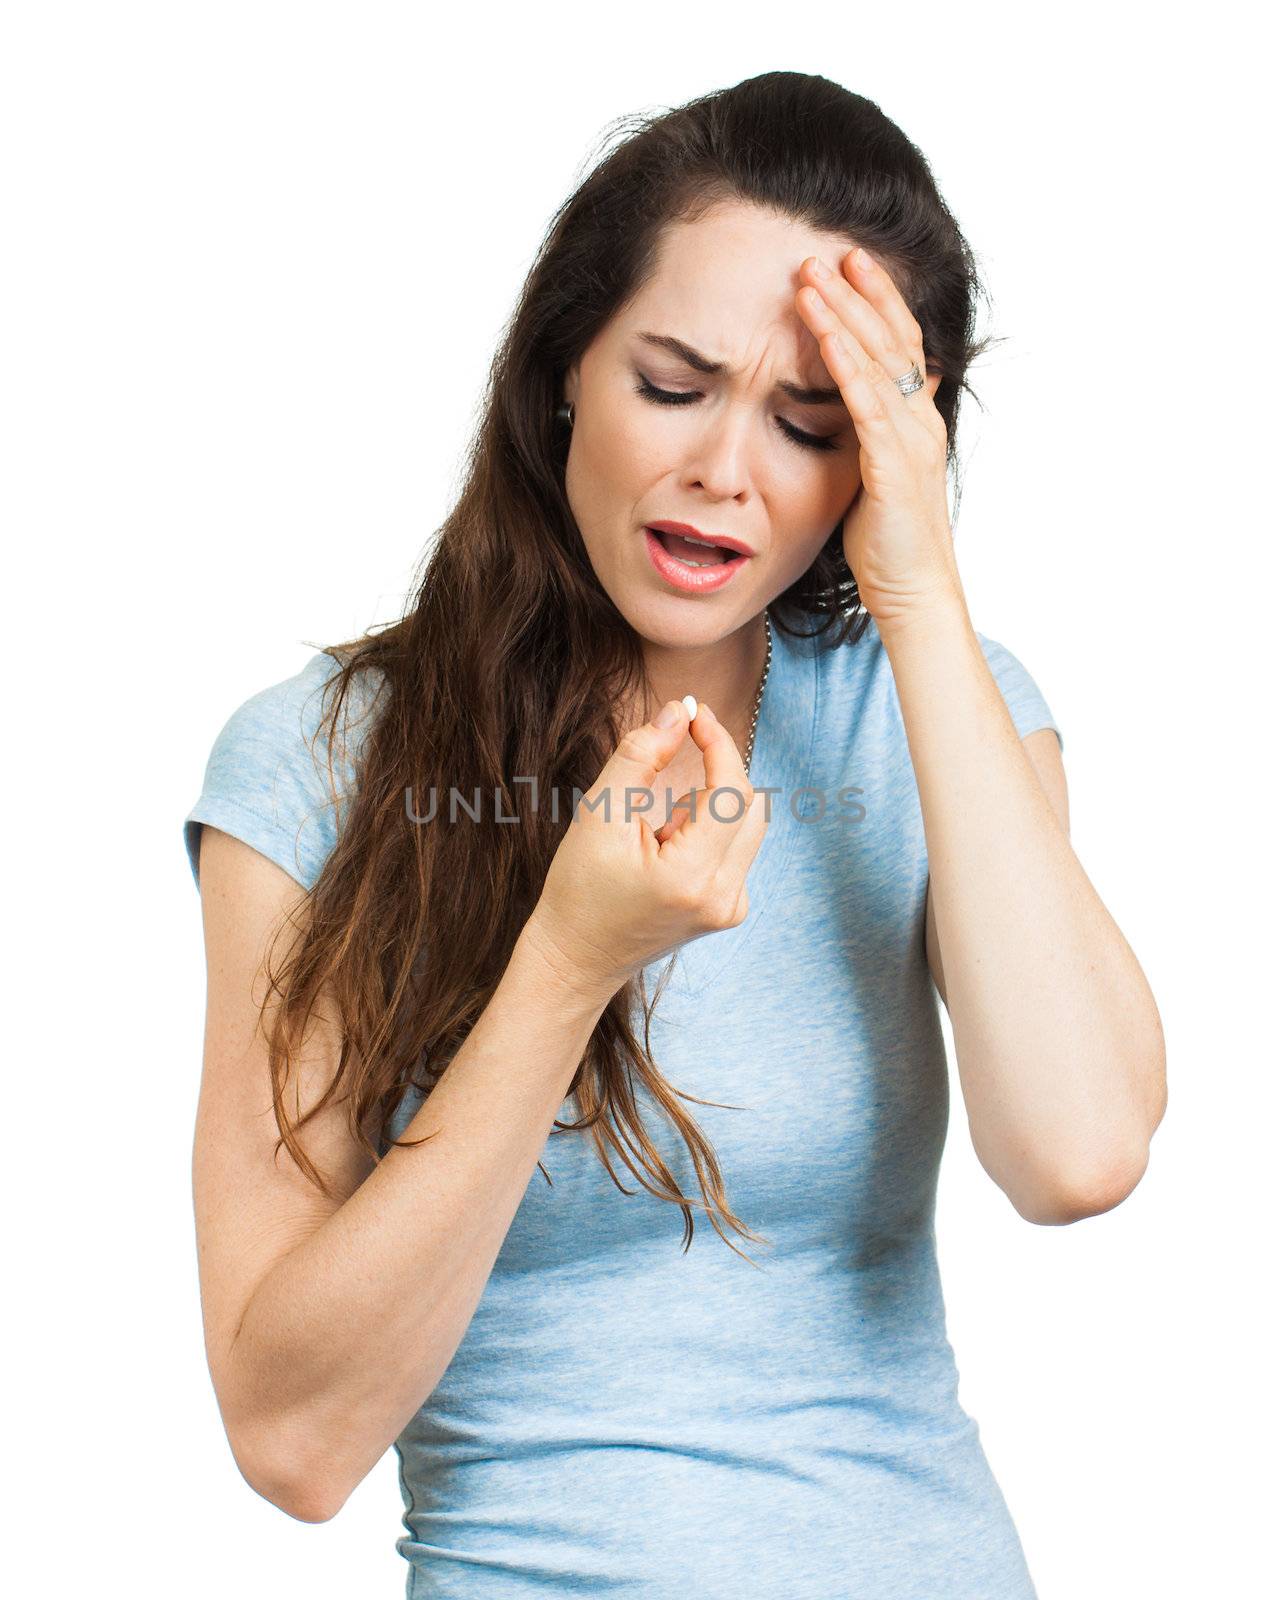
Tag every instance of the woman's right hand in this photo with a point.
(617, 894)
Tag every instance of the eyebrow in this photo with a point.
(830, 396)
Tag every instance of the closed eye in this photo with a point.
(677, 397)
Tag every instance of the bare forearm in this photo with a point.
(348, 1334)
(1056, 1032)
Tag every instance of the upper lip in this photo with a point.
(720, 539)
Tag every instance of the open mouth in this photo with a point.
(692, 552)
(692, 566)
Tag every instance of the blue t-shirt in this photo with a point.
(625, 1417)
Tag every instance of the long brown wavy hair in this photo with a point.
(510, 658)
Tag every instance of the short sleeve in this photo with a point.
(1026, 704)
(267, 778)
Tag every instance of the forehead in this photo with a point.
(726, 282)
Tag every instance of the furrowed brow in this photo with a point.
(829, 396)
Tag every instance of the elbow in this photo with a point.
(1067, 1198)
(1081, 1189)
(283, 1477)
(305, 1505)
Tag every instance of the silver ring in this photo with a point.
(912, 380)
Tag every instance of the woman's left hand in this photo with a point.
(897, 533)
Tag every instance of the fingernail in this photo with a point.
(690, 707)
(822, 269)
(862, 259)
(668, 716)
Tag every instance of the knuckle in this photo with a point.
(701, 905)
(731, 806)
(716, 911)
(635, 745)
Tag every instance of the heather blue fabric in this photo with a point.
(625, 1418)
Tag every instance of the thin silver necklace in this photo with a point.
(758, 699)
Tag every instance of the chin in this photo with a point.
(679, 622)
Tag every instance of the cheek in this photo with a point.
(646, 445)
(619, 453)
(610, 469)
(811, 500)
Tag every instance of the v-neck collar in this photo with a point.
(784, 759)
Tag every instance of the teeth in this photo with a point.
(702, 544)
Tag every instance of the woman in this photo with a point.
(713, 463)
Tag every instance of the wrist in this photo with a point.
(935, 611)
(550, 970)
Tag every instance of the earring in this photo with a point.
(566, 413)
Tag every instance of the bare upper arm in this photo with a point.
(1044, 754)
(249, 1208)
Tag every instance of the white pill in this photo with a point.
(690, 707)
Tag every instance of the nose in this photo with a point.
(719, 461)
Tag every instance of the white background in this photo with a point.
(257, 259)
